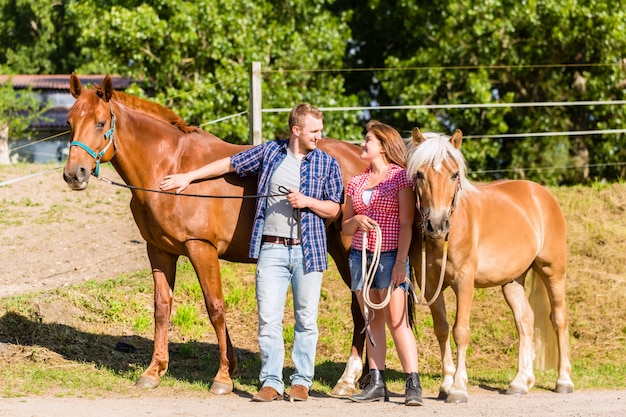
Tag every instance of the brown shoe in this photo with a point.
(266, 394)
(299, 393)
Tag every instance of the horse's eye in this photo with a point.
(455, 176)
(100, 125)
(418, 176)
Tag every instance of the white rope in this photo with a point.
(421, 300)
(369, 273)
(368, 278)
(14, 180)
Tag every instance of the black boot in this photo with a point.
(376, 390)
(413, 393)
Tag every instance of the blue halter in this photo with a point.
(108, 136)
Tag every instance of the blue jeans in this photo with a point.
(382, 275)
(278, 267)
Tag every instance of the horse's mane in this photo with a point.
(145, 106)
(153, 109)
(433, 152)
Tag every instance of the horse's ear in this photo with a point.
(107, 88)
(456, 138)
(75, 85)
(417, 136)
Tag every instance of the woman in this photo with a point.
(383, 197)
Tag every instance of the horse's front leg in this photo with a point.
(437, 311)
(164, 276)
(524, 321)
(442, 333)
(464, 291)
(204, 259)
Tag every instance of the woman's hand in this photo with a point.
(398, 275)
(365, 223)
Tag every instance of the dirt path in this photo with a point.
(481, 404)
(56, 236)
(52, 236)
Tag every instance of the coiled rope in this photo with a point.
(369, 273)
(368, 279)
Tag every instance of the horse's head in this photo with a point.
(92, 124)
(437, 167)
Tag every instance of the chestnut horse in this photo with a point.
(494, 234)
(145, 141)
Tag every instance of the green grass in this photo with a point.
(62, 342)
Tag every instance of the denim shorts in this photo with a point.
(382, 276)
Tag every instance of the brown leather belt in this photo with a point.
(281, 240)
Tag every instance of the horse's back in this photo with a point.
(201, 147)
(535, 200)
(347, 154)
(512, 224)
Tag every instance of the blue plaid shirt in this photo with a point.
(320, 178)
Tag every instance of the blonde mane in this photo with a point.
(433, 153)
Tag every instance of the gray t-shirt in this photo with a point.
(279, 215)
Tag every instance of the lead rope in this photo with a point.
(368, 279)
(444, 256)
(442, 273)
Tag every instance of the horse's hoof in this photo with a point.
(442, 395)
(564, 389)
(457, 398)
(342, 390)
(221, 388)
(516, 391)
(147, 382)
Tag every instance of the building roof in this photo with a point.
(60, 81)
(55, 118)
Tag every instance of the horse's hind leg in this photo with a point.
(524, 321)
(346, 385)
(551, 299)
(204, 259)
(164, 276)
(564, 384)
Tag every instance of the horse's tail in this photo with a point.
(545, 341)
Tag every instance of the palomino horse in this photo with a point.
(494, 234)
(145, 141)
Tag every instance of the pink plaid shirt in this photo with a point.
(384, 207)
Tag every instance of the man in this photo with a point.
(288, 239)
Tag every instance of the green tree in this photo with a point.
(197, 57)
(37, 37)
(501, 51)
(17, 111)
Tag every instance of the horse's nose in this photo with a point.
(437, 228)
(76, 179)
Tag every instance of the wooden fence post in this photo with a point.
(254, 113)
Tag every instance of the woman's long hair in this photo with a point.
(390, 140)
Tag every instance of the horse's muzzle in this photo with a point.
(77, 180)
(437, 227)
